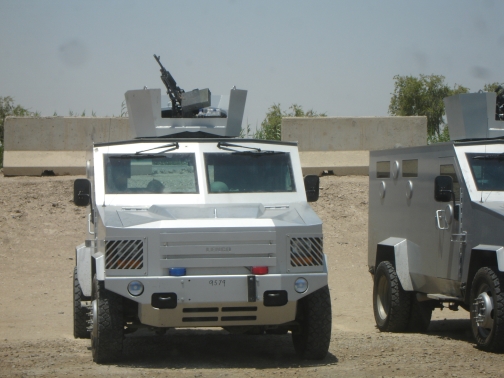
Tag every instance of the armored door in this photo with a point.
(447, 220)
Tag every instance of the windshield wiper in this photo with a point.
(224, 145)
(257, 154)
(489, 157)
(134, 156)
(255, 151)
(171, 146)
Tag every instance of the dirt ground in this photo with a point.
(40, 227)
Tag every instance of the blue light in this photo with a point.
(177, 272)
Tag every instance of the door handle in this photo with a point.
(440, 214)
(89, 224)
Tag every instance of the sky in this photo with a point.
(332, 56)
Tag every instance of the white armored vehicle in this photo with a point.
(436, 221)
(189, 228)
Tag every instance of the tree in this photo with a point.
(8, 108)
(423, 96)
(492, 87)
(271, 126)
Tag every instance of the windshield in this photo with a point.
(487, 170)
(249, 172)
(169, 173)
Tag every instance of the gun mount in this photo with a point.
(475, 115)
(190, 113)
(183, 104)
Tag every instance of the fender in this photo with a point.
(403, 251)
(497, 249)
(99, 265)
(83, 261)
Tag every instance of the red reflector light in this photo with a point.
(259, 270)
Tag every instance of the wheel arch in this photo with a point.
(83, 263)
(396, 251)
(483, 255)
(98, 266)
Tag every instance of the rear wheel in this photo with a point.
(80, 311)
(391, 304)
(421, 314)
(108, 324)
(311, 340)
(487, 309)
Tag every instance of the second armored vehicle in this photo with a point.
(436, 215)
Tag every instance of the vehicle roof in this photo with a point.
(196, 140)
(468, 142)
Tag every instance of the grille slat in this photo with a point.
(307, 251)
(124, 254)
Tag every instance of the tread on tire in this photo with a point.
(391, 304)
(80, 313)
(312, 339)
(108, 328)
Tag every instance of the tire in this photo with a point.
(311, 340)
(391, 304)
(487, 309)
(420, 316)
(108, 324)
(80, 313)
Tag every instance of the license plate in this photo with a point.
(221, 283)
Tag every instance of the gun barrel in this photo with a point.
(159, 61)
(172, 89)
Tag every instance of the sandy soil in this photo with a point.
(40, 227)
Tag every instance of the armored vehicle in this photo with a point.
(190, 228)
(436, 216)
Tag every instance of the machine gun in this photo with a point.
(183, 104)
(172, 89)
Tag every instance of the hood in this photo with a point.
(222, 215)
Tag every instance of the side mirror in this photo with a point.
(312, 184)
(82, 192)
(443, 188)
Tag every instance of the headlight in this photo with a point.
(135, 288)
(301, 285)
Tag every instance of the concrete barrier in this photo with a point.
(34, 145)
(332, 145)
(341, 145)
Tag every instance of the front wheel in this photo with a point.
(487, 309)
(311, 340)
(80, 311)
(108, 324)
(391, 304)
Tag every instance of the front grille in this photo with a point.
(203, 314)
(202, 309)
(306, 252)
(124, 254)
(238, 318)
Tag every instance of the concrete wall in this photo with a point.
(355, 133)
(59, 144)
(334, 145)
(341, 145)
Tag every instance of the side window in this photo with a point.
(449, 170)
(383, 169)
(410, 168)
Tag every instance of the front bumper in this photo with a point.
(217, 300)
